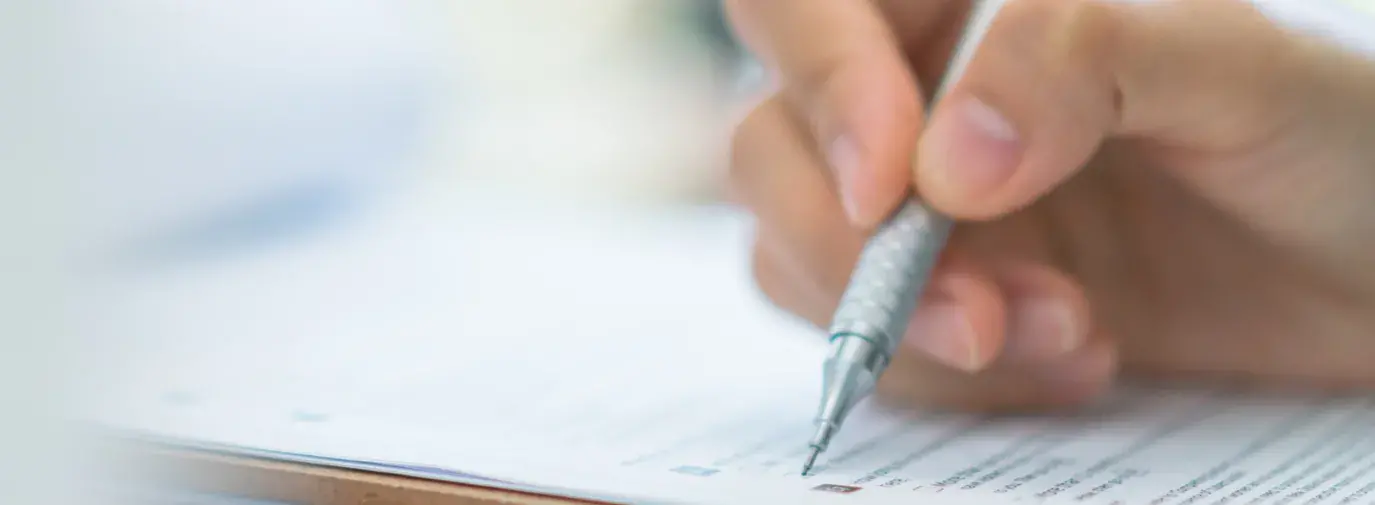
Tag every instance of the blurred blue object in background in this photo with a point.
(263, 220)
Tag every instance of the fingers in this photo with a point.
(1038, 350)
(974, 317)
(998, 330)
(846, 72)
(1048, 313)
(959, 320)
(1052, 78)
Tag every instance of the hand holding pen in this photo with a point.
(1171, 189)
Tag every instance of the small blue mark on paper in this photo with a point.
(696, 470)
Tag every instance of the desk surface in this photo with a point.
(300, 484)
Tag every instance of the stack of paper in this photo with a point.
(630, 360)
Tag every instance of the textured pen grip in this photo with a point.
(891, 273)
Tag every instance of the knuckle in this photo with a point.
(1063, 27)
(1093, 31)
(1092, 28)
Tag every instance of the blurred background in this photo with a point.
(261, 179)
(204, 184)
(258, 178)
(197, 117)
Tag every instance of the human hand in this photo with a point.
(1164, 189)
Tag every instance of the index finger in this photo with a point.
(844, 69)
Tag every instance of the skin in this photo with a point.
(1159, 190)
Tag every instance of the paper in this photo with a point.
(639, 365)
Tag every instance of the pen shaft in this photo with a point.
(890, 275)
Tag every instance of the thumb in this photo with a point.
(1053, 78)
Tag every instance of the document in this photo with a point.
(1179, 448)
(668, 382)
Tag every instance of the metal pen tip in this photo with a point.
(811, 460)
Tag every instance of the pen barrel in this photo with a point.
(890, 275)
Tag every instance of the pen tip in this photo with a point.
(811, 460)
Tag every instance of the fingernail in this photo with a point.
(943, 330)
(844, 157)
(1041, 328)
(973, 148)
(989, 122)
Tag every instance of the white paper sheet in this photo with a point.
(630, 360)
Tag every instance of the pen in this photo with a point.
(891, 274)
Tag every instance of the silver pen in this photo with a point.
(891, 273)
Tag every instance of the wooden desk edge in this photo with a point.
(304, 484)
